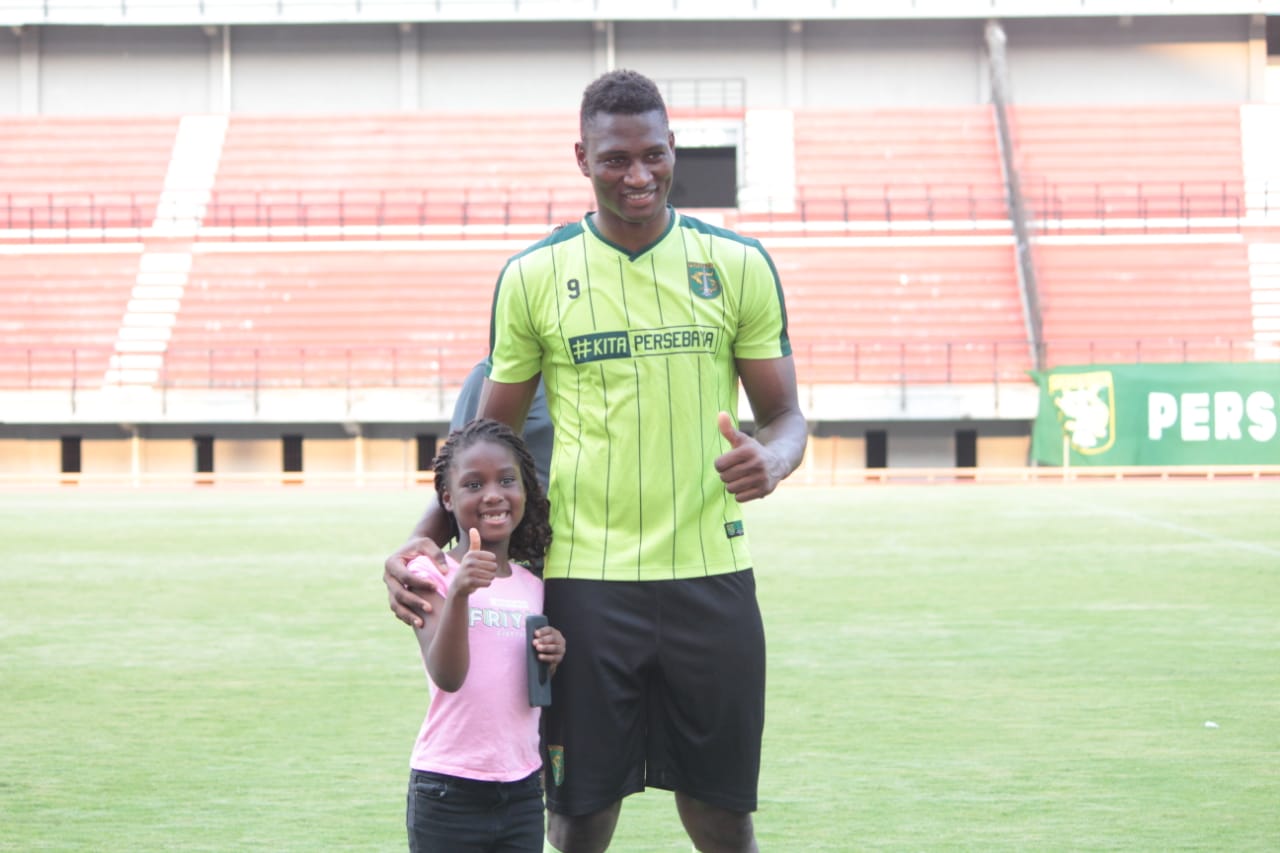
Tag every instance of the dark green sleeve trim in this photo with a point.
(562, 233)
(715, 231)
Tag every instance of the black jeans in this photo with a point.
(447, 814)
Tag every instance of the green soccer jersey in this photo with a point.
(637, 355)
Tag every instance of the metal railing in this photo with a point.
(1053, 207)
(864, 361)
(728, 93)
(1157, 200)
(1050, 205)
(414, 208)
(108, 216)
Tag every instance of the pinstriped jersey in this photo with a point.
(637, 354)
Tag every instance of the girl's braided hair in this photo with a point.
(532, 536)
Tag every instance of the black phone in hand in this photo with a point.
(539, 671)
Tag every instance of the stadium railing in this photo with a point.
(419, 208)
(933, 204)
(1055, 207)
(906, 362)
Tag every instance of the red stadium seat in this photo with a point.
(1145, 302)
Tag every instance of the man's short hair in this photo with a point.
(620, 92)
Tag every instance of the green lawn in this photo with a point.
(969, 667)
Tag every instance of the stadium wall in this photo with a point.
(241, 452)
(388, 454)
(11, 100)
(372, 68)
(542, 65)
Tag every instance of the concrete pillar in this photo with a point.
(604, 50)
(410, 68)
(793, 65)
(29, 71)
(219, 68)
(1258, 59)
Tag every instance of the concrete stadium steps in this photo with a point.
(62, 172)
(912, 164)
(102, 160)
(923, 313)
(896, 146)
(64, 299)
(933, 310)
(939, 314)
(398, 169)
(285, 311)
(870, 155)
(1082, 156)
(395, 152)
(60, 313)
(1145, 302)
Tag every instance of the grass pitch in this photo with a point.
(970, 667)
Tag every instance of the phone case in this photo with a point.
(539, 672)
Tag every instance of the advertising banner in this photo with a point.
(1158, 414)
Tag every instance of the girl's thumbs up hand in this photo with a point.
(477, 569)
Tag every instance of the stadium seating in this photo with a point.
(1133, 161)
(900, 310)
(59, 315)
(903, 164)
(295, 317)
(411, 169)
(331, 317)
(82, 172)
(1135, 302)
(915, 313)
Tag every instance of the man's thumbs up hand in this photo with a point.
(745, 469)
(729, 431)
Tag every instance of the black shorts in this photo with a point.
(662, 684)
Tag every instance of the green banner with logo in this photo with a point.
(1158, 414)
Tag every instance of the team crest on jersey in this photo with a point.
(703, 281)
(556, 753)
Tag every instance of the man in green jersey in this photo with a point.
(641, 322)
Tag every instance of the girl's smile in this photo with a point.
(485, 492)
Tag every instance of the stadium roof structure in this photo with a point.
(17, 13)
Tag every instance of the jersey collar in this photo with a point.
(671, 223)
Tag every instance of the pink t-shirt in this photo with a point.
(487, 729)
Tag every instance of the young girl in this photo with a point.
(475, 781)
